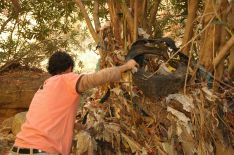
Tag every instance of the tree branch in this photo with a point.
(88, 21)
(5, 23)
(16, 6)
(224, 51)
(13, 15)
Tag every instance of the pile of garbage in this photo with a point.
(199, 122)
(127, 118)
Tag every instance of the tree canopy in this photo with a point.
(32, 30)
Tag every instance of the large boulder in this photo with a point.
(17, 88)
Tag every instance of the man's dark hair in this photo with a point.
(59, 62)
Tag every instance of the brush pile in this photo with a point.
(124, 121)
(200, 122)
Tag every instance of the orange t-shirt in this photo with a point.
(51, 116)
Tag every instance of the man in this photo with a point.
(48, 128)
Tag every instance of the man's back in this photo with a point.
(50, 120)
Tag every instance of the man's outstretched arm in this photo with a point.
(113, 74)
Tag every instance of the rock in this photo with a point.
(19, 119)
(18, 88)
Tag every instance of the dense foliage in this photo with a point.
(32, 29)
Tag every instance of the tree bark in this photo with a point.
(144, 15)
(96, 16)
(129, 18)
(88, 21)
(153, 14)
(210, 39)
(231, 64)
(230, 21)
(192, 9)
(17, 7)
(114, 10)
(135, 20)
(219, 69)
(224, 51)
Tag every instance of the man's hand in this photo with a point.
(131, 64)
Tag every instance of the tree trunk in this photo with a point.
(192, 10)
(96, 16)
(210, 39)
(136, 20)
(231, 64)
(153, 14)
(219, 69)
(230, 21)
(115, 16)
(129, 19)
(144, 15)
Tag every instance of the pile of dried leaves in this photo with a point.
(199, 122)
(124, 121)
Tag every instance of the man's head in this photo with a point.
(60, 62)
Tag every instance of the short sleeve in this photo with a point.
(71, 80)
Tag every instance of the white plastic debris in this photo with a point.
(143, 33)
(181, 116)
(185, 100)
(182, 119)
(208, 94)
